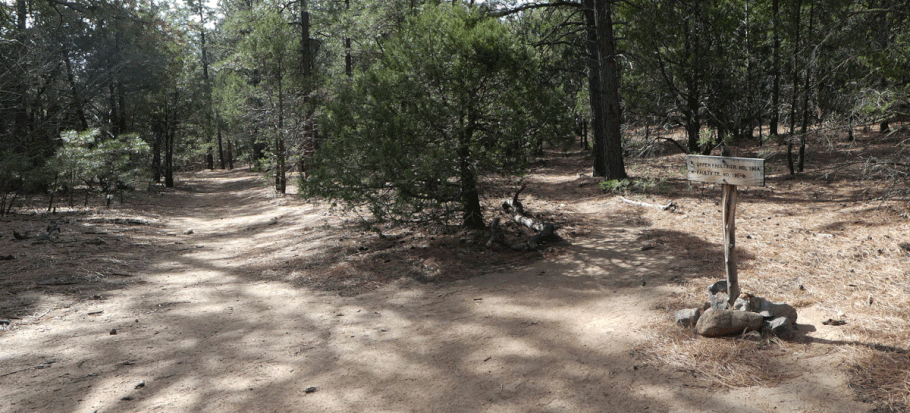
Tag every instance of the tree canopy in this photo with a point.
(452, 95)
(406, 105)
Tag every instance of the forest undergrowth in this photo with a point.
(833, 240)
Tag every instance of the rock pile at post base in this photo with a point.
(749, 313)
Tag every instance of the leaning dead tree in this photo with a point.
(514, 209)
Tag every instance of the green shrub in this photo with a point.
(106, 165)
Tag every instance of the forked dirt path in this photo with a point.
(198, 331)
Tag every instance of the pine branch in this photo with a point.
(532, 6)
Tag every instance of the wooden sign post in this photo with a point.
(729, 172)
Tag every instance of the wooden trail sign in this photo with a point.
(726, 170)
(729, 172)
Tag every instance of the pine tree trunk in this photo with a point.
(797, 7)
(207, 122)
(348, 60)
(113, 117)
(282, 169)
(230, 155)
(221, 159)
(612, 145)
(693, 92)
(170, 133)
(156, 156)
(584, 134)
(804, 128)
(306, 60)
(594, 87)
(169, 160)
(790, 156)
(78, 107)
(21, 108)
(775, 64)
(470, 198)
(473, 215)
(121, 104)
(280, 179)
(21, 15)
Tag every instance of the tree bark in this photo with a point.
(169, 159)
(170, 135)
(790, 163)
(611, 148)
(280, 177)
(594, 87)
(348, 60)
(693, 90)
(78, 107)
(221, 159)
(20, 115)
(470, 198)
(21, 15)
(230, 154)
(156, 153)
(113, 115)
(121, 104)
(775, 64)
(207, 118)
(804, 128)
(584, 134)
(797, 8)
(473, 215)
(306, 60)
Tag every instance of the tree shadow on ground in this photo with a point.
(211, 335)
(491, 342)
(92, 254)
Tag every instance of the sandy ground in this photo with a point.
(213, 321)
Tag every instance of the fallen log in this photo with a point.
(544, 230)
(514, 203)
(495, 235)
(667, 207)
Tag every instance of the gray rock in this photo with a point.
(717, 296)
(772, 310)
(716, 323)
(719, 301)
(688, 317)
(718, 287)
(781, 327)
(742, 304)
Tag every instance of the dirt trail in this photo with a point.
(197, 330)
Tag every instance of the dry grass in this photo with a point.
(833, 238)
(732, 362)
(882, 377)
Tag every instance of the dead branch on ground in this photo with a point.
(671, 205)
(545, 230)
